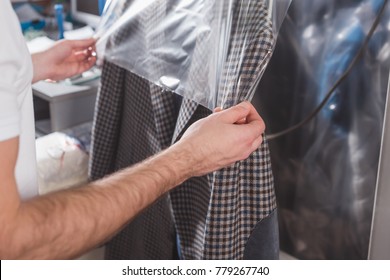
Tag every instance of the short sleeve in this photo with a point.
(9, 113)
(13, 65)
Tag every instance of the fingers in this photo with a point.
(243, 121)
(253, 119)
(87, 64)
(82, 49)
(253, 115)
(82, 44)
(251, 131)
(231, 135)
(235, 113)
(83, 55)
(256, 144)
(252, 125)
(217, 110)
(79, 64)
(74, 50)
(240, 114)
(249, 123)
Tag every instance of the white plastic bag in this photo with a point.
(61, 162)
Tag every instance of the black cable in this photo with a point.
(329, 94)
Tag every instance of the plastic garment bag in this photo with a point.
(186, 45)
(325, 172)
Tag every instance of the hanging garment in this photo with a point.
(228, 214)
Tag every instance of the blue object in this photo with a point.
(34, 24)
(101, 6)
(59, 10)
(338, 56)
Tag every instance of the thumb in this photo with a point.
(217, 110)
(235, 113)
(82, 44)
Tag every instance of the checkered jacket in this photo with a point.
(209, 217)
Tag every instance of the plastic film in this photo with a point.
(325, 172)
(213, 52)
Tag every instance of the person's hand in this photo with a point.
(223, 138)
(65, 59)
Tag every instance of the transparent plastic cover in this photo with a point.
(211, 51)
(326, 171)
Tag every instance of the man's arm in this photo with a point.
(68, 223)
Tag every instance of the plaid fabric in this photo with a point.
(242, 70)
(106, 123)
(115, 146)
(127, 130)
(215, 214)
(242, 195)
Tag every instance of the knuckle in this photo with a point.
(262, 125)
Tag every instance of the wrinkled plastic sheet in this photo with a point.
(326, 171)
(61, 163)
(211, 51)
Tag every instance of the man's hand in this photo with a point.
(223, 138)
(68, 223)
(65, 59)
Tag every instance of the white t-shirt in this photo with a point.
(16, 107)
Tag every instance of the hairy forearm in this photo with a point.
(66, 224)
(69, 223)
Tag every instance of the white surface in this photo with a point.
(69, 105)
(27, 13)
(81, 33)
(61, 163)
(40, 44)
(55, 90)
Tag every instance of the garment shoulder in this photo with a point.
(14, 57)
(15, 71)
